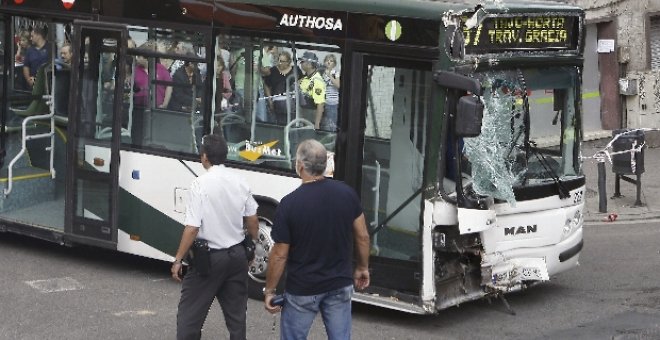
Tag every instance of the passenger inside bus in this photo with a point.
(142, 83)
(287, 121)
(37, 105)
(263, 61)
(224, 91)
(187, 88)
(66, 55)
(312, 88)
(180, 48)
(331, 78)
(23, 43)
(260, 62)
(167, 48)
(36, 55)
(109, 66)
(278, 88)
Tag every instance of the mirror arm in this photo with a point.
(457, 81)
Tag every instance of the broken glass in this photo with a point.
(529, 130)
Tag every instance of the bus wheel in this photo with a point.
(258, 267)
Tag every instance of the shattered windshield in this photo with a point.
(529, 130)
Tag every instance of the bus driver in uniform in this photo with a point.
(220, 202)
(312, 87)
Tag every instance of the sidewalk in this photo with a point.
(622, 206)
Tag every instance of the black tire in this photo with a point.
(257, 271)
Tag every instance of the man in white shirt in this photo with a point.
(220, 202)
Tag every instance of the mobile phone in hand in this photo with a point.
(278, 300)
(183, 271)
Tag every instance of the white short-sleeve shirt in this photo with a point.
(219, 199)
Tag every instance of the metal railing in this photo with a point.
(25, 137)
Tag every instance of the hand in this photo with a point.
(270, 308)
(177, 271)
(361, 278)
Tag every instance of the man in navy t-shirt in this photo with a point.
(36, 55)
(317, 230)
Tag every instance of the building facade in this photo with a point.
(621, 81)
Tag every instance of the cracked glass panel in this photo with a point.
(529, 130)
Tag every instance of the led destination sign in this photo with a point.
(515, 33)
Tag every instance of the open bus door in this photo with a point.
(5, 55)
(394, 110)
(97, 94)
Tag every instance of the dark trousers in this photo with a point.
(227, 281)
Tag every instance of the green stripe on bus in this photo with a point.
(153, 227)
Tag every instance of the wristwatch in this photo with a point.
(268, 291)
(177, 261)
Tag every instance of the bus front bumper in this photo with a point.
(507, 270)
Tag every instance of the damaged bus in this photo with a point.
(457, 122)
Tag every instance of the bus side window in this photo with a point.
(278, 97)
(166, 89)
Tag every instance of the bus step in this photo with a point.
(30, 186)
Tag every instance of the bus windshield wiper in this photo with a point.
(563, 192)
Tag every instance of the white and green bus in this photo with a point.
(458, 125)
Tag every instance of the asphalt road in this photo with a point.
(52, 292)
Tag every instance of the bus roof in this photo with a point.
(423, 9)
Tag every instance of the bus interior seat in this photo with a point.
(43, 79)
(296, 131)
(234, 128)
(38, 105)
(61, 95)
(327, 138)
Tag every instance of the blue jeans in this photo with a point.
(329, 120)
(299, 311)
(261, 112)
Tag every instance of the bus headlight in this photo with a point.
(572, 224)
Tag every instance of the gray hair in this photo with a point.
(313, 157)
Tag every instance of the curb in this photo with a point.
(600, 218)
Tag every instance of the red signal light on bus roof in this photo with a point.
(18, 2)
(67, 3)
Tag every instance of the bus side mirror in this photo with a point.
(469, 116)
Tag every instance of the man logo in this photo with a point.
(520, 230)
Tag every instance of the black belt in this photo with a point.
(213, 250)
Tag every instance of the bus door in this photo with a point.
(94, 132)
(6, 39)
(394, 111)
